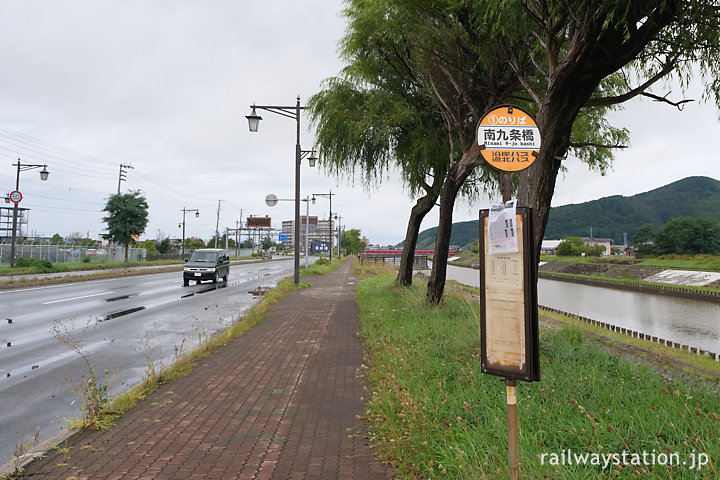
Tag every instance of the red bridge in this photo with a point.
(399, 252)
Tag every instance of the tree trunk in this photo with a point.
(458, 173)
(436, 283)
(417, 214)
(127, 248)
(563, 101)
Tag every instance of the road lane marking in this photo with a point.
(76, 298)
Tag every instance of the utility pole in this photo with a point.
(121, 177)
(217, 225)
(237, 237)
(238, 234)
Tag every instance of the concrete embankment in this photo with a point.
(655, 288)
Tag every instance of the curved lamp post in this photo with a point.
(330, 218)
(21, 167)
(197, 214)
(294, 113)
(339, 233)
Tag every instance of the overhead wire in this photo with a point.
(72, 163)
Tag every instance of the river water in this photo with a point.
(690, 322)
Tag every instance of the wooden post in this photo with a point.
(511, 384)
(512, 426)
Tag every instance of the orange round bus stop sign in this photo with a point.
(509, 138)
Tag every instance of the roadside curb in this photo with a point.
(36, 452)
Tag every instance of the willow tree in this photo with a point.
(590, 55)
(565, 62)
(376, 117)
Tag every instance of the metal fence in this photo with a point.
(71, 253)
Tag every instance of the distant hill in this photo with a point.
(463, 233)
(610, 217)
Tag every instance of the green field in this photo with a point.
(433, 414)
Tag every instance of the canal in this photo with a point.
(690, 322)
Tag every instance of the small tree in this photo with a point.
(164, 245)
(643, 235)
(594, 250)
(193, 243)
(77, 238)
(57, 239)
(351, 243)
(127, 216)
(643, 239)
(150, 247)
(688, 236)
(571, 247)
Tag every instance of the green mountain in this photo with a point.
(610, 217)
(463, 234)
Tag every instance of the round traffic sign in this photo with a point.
(15, 196)
(509, 138)
(271, 200)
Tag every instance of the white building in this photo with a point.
(318, 229)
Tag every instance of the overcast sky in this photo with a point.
(165, 85)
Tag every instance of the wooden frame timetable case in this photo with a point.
(508, 300)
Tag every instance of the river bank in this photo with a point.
(432, 413)
(641, 275)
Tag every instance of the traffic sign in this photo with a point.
(15, 196)
(509, 138)
(271, 200)
(283, 237)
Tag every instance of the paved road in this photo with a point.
(119, 323)
(284, 401)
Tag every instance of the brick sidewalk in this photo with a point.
(279, 402)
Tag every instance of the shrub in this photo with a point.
(35, 265)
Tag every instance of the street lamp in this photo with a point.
(330, 230)
(294, 113)
(21, 167)
(339, 233)
(197, 214)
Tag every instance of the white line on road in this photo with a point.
(76, 298)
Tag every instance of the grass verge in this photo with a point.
(321, 266)
(109, 270)
(62, 267)
(658, 355)
(689, 262)
(433, 414)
